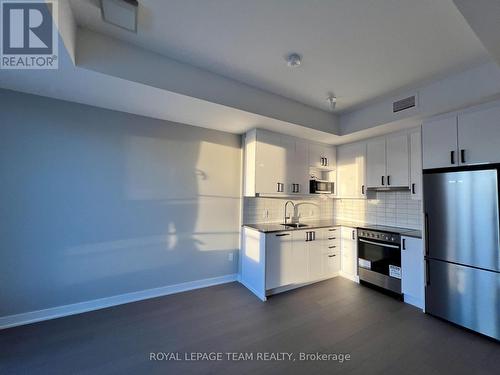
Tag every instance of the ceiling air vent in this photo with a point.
(403, 104)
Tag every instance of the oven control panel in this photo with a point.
(379, 236)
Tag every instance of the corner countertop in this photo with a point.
(278, 227)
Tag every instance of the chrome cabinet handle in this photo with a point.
(388, 180)
(332, 238)
(404, 243)
(282, 234)
(452, 157)
(462, 156)
(383, 180)
(332, 247)
(413, 188)
(331, 256)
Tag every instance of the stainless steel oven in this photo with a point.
(379, 259)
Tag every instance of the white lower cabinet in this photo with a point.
(349, 252)
(279, 260)
(302, 256)
(412, 269)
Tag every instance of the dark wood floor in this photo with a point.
(381, 334)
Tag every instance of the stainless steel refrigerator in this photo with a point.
(463, 248)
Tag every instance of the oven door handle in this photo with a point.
(380, 244)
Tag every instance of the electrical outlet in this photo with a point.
(230, 257)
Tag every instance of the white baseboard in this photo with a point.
(101, 303)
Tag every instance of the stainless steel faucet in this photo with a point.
(286, 205)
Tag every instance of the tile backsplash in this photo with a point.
(272, 210)
(394, 208)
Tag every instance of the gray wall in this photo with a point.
(96, 203)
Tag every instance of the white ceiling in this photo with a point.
(359, 49)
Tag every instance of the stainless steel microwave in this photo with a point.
(321, 187)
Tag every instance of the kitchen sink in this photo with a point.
(295, 225)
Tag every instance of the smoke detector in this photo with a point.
(332, 101)
(294, 60)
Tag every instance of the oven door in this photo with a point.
(380, 257)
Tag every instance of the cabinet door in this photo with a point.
(272, 154)
(316, 155)
(397, 159)
(279, 260)
(479, 135)
(317, 263)
(415, 165)
(299, 169)
(351, 170)
(439, 142)
(412, 268)
(375, 162)
(331, 157)
(348, 252)
(321, 156)
(300, 257)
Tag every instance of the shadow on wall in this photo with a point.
(97, 203)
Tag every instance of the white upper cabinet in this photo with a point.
(439, 141)
(376, 164)
(464, 138)
(272, 157)
(387, 161)
(416, 165)
(479, 135)
(278, 165)
(398, 164)
(351, 159)
(322, 156)
(299, 169)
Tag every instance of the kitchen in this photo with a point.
(264, 187)
(421, 265)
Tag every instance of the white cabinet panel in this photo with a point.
(375, 162)
(322, 156)
(416, 165)
(351, 161)
(300, 257)
(349, 263)
(479, 135)
(279, 260)
(439, 142)
(397, 159)
(317, 262)
(299, 169)
(412, 268)
(271, 161)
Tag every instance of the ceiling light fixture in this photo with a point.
(332, 101)
(294, 60)
(121, 13)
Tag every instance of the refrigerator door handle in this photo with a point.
(426, 243)
(427, 273)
